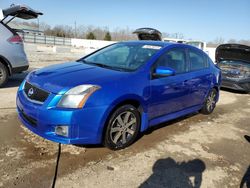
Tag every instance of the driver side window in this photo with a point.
(175, 59)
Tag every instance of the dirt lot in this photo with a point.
(194, 151)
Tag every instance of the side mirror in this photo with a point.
(163, 72)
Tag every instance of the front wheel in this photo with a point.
(122, 128)
(210, 102)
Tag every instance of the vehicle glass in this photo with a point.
(209, 62)
(127, 57)
(174, 59)
(197, 60)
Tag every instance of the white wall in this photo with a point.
(1, 14)
(211, 52)
(90, 45)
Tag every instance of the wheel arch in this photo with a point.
(217, 88)
(133, 100)
(7, 64)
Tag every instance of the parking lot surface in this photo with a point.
(193, 151)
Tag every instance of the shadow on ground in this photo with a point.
(16, 79)
(169, 173)
(233, 91)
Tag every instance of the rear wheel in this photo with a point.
(210, 102)
(3, 74)
(122, 128)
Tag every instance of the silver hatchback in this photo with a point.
(12, 56)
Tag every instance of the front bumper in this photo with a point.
(20, 69)
(85, 125)
(240, 85)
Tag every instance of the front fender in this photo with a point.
(123, 100)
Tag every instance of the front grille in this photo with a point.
(34, 93)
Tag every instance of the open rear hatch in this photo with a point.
(20, 11)
(148, 34)
(233, 52)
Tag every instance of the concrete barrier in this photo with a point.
(90, 44)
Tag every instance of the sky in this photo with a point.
(196, 19)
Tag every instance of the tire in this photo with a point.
(3, 75)
(210, 102)
(123, 127)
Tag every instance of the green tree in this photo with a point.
(91, 36)
(107, 37)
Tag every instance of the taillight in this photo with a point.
(15, 39)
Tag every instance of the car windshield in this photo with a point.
(122, 56)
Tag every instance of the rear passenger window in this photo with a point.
(174, 59)
(197, 60)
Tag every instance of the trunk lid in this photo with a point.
(148, 34)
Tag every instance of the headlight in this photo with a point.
(77, 96)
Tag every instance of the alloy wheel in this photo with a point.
(123, 128)
(211, 101)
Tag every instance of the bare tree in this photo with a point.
(232, 41)
(219, 40)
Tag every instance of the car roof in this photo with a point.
(160, 43)
(150, 42)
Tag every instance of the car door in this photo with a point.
(169, 94)
(200, 77)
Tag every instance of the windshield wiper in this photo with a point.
(99, 64)
(104, 65)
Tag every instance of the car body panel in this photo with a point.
(17, 59)
(58, 76)
(170, 95)
(159, 99)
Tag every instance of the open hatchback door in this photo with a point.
(20, 11)
(148, 34)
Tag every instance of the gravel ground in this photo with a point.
(193, 151)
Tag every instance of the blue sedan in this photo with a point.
(113, 94)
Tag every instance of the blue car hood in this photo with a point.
(59, 78)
